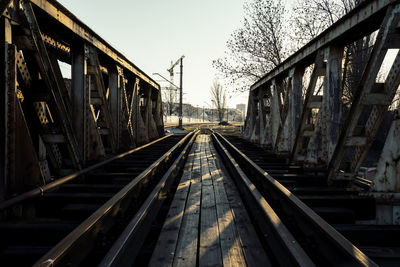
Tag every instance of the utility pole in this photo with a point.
(203, 113)
(171, 73)
(180, 95)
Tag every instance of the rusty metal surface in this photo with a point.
(311, 118)
(388, 170)
(386, 182)
(40, 191)
(348, 26)
(387, 31)
(53, 84)
(75, 246)
(332, 246)
(283, 244)
(71, 122)
(124, 250)
(67, 19)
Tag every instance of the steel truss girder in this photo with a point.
(89, 139)
(19, 171)
(306, 129)
(326, 129)
(65, 127)
(252, 119)
(102, 95)
(291, 112)
(53, 84)
(353, 25)
(368, 80)
(64, 17)
(386, 183)
(130, 119)
(319, 139)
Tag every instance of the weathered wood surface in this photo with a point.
(165, 249)
(251, 248)
(207, 224)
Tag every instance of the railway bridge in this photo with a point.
(88, 176)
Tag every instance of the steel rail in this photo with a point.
(126, 248)
(284, 246)
(41, 190)
(80, 242)
(325, 244)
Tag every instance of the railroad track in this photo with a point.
(335, 204)
(305, 204)
(79, 219)
(119, 212)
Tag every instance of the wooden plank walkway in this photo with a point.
(207, 224)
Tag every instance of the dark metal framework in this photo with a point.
(52, 126)
(270, 199)
(306, 123)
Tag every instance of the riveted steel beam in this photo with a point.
(298, 153)
(357, 23)
(102, 96)
(387, 31)
(53, 84)
(68, 20)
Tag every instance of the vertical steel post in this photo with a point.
(4, 105)
(386, 183)
(9, 120)
(79, 97)
(180, 95)
(261, 116)
(332, 100)
(137, 116)
(275, 111)
(115, 99)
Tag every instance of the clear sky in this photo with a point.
(152, 33)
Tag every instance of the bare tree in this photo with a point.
(218, 98)
(311, 17)
(265, 39)
(257, 46)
